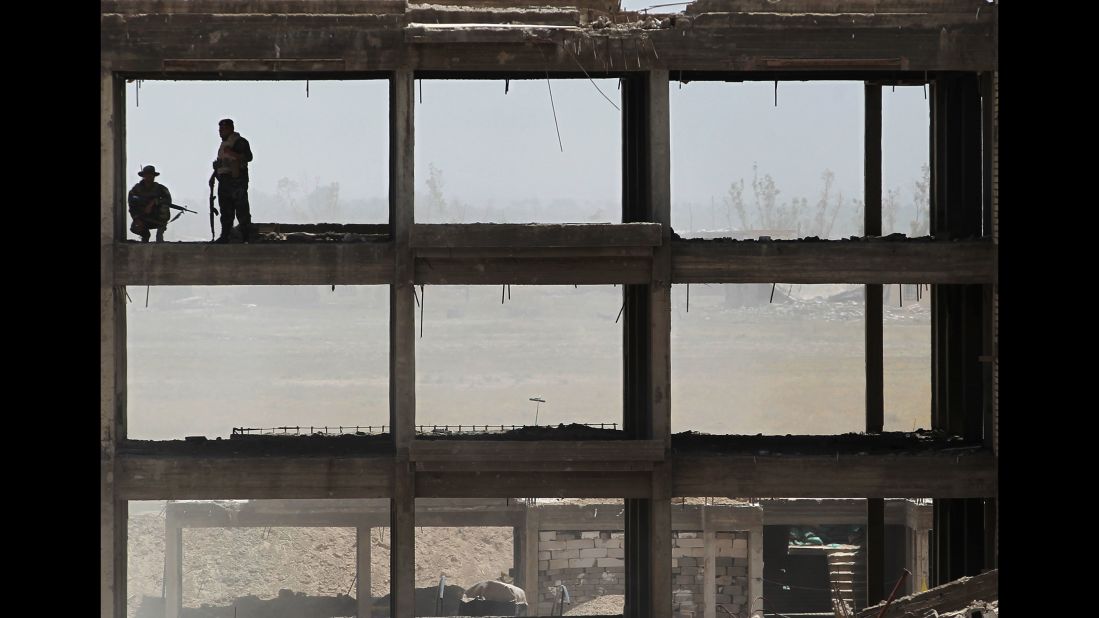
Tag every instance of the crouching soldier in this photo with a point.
(148, 201)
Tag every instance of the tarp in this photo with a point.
(491, 590)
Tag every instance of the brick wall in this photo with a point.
(592, 564)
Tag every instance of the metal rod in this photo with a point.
(893, 595)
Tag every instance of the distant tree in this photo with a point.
(323, 203)
(435, 206)
(765, 193)
(921, 225)
(889, 208)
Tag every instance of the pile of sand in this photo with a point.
(223, 564)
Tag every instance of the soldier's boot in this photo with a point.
(244, 230)
(144, 236)
(225, 234)
(160, 235)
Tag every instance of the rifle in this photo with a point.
(213, 211)
(181, 209)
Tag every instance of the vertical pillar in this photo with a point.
(660, 326)
(923, 565)
(709, 585)
(989, 102)
(959, 335)
(362, 571)
(875, 394)
(909, 559)
(402, 347)
(646, 196)
(875, 551)
(112, 347)
(755, 565)
(530, 559)
(173, 566)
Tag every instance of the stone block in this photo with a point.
(610, 562)
(547, 535)
(589, 534)
(551, 545)
(579, 544)
(581, 563)
(562, 563)
(595, 552)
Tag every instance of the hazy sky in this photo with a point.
(497, 148)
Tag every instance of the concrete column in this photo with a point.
(660, 316)
(530, 559)
(755, 567)
(660, 540)
(909, 559)
(923, 562)
(112, 349)
(646, 196)
(173, 567)
(362, 570)
(402, 348)
(709, 586)
(875, 398)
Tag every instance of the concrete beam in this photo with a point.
(535, 235)
(831, 511)
(504, 454)
(254, 264)
(336, 513)
(874, 262)
(214, 478)
(837, 476)
(166, 42)
(949, 474)
(838, 261)
(499, 484)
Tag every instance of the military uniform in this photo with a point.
(148, 216)
(232, 176)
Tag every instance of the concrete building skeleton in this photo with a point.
(951, 45)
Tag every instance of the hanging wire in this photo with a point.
(554, 109)
(577, 60)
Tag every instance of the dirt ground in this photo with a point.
(223, 564)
